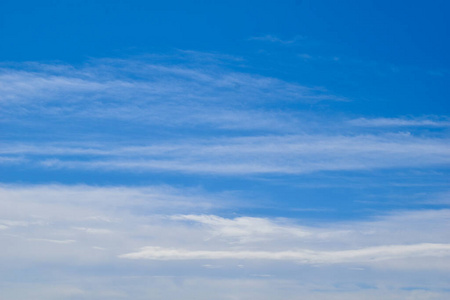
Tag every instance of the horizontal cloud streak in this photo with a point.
(246, 155)
(300, 256)
(399, 122)
(245, 229)
(274, 39)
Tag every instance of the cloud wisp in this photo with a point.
(118, 89)
(400, 122)
(245, 155)
(372, 254)
(274, 39)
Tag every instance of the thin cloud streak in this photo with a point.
(300, 256)
(246, 155)
(273, 39)
(399, 122)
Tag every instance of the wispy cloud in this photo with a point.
(400, 122)
(47, 202)
(154, 97)
(53, 241)
(274, 39)
(196, 117)
(247, 155)
(245, 229)
(301, 256)
(116, 85)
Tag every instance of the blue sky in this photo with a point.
(224, 150)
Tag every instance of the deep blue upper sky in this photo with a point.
(412, 33)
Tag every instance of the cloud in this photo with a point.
(94, 230)
(318, 287)
(290, 154)
(135, 217)
(399, 122)
(119, 89)
(182, 115)
(245, 229)
(53, 241)
(94, 203)
(300, 256)
(83, 232)
(56, 223)
(273, 39)
(202, 116)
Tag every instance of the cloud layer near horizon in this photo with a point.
(87, 227)
(74, 215)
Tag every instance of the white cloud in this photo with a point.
(124, 219)
(301, 256)
(92, 203)
(53, 241)
(63, 228)
(108, 88)
(200, 117)
(152, 95)
(400, 122)
(290, 154)
(94, 230)
(245, 229)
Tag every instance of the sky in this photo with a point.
(226, 150)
